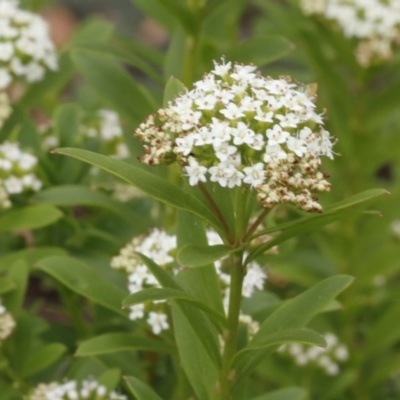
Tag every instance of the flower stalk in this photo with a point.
(230, 344)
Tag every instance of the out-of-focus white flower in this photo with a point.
(16, 173)
(26, 51)
(73, 390)
(105, 125)
(327, 358)
(238, 128)
(7, 323)
(160, 247)
(375, 24)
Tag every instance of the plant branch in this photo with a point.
(230, 340)
(256, 224)
(216, 210)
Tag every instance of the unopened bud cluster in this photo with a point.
(73, 390)
(7, 323)
(238, 128)
(327, 359)
(26, 51)
(375, 24)
(161, 247)
(16, 173)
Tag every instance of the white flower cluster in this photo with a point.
(16, 172)
(26, 50)
(374, 23)
(160, 247)
(7, 323)
(5, 108)
(238, 128)
(325, 358)
(106, 126)
(73, 390)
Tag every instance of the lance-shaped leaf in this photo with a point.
(81, 195)
(110, 378)
(114, 85)
(172, 88)
(156, 187)
(117, 342)
(32, 217)
(333, 213)
(305, 336)
(84, 280)
(294, 314)
(155, 294)
(292, 393)
(274, 47)
(198, 256)
(195, 319)
(41, 358)
(140, 390)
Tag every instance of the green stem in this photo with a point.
(255, 225)
(240, 213)
(216, 210)
(230, 342)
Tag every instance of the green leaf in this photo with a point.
(114, 85)
(115, 51)
(140, 390)
(260, 50)
(81, 195)
(173, 294)
(293, 393)
(19, 274)
(295, 314)
(6, 285)
(110, 378)
(202, 283)
(117, 342)
(156, 187)
(32, 217)
(84, 280)
(31, 256)
(306, 224)
(67, 123)
(195, 319)
(197, 363)
(385, 332)
(198, 256)
(41, 358)
(172, 89)
(305, 336)
(155, 10)
(175, 58)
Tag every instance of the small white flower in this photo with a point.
(277, 135)
(158, 322)
(255, 175)
(232, 111)
(196, 172)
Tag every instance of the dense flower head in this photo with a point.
(26, 51)
(161, 247)
(74, 390)
(7, 323)
(238, 128)
(5, 108)
(325, 358)
(16, 173)
(374, 23)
